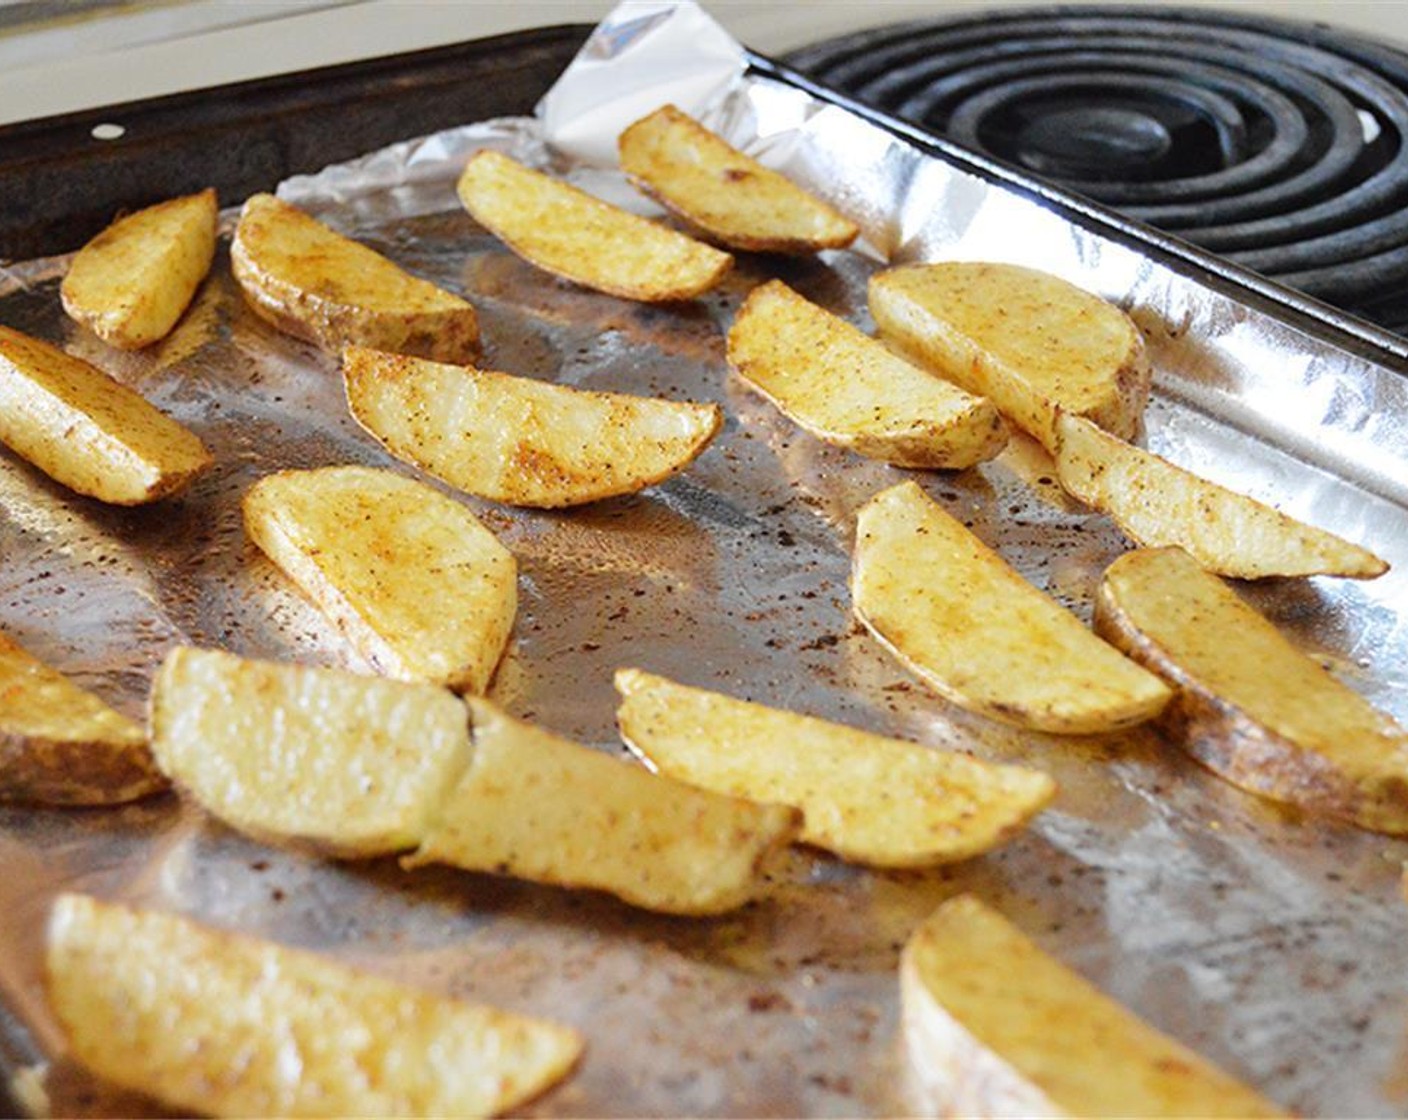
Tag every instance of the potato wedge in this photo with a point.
(1029, 341)
(569, 233)
(227, 1025)
(733, 198)
(869, 799)
(85, 430)
(1158, 504)
(539, 807)
(996, 1027)
(1250, 706)
(953, 612)
(419, 586)
(848, 389)
(520, 441)
(61, 745)
(132, 282)
(347, 765)
(313, 283)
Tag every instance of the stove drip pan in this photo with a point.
(1276, 144)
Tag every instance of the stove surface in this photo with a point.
(1275, 143)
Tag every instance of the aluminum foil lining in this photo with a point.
(1272, 943)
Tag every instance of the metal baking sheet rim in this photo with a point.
(1089, 880)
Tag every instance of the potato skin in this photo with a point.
(310, 282)
(1250, 737)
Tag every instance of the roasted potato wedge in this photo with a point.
(347, 765)
(313, 283)
(520, 441)
(542, 808)
(85, 430)
(731, 197)
(132, 282)
(996, 1027)
(1250, 706)
(1029, 341)
(61, 745)
(227, 1025)
(958, 617)
(1158, 504)
(848, 389)
(569, 233)
(419, 586)
(869, 799)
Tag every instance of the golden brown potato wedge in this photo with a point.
(958, 617)
(226, 1025)
(539, 807)
(349, 765)
(848, 389)
(61, 745)
(520, 441)
(569, 233)
(1158, 504)
(313, 283)
(132, 282)
(996, 1027)
(1250, 706)
(733, 198)
(867, 798)
(1029, 341)
(87, 431)
(419, 586)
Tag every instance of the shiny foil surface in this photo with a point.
(1272, 943)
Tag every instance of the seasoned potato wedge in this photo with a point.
(1250, 706)
(1029, 341)
(348, 765)
(420, 587)
(976, 632)
(227, 1025)
(132, 282)
(569, 233)
(996, 1027)
(867, 798)
(61, 745)
(1157, 503)
(313, 283)
(848, 389)
(733, 198)
(87, 431)
(515, 440)
(542, 808)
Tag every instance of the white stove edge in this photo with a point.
(194, 44)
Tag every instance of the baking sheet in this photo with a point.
(1271, 943)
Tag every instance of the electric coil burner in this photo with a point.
(1276, 144)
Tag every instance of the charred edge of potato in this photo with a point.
(78, 773)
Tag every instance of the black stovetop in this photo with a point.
(1276, 144)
